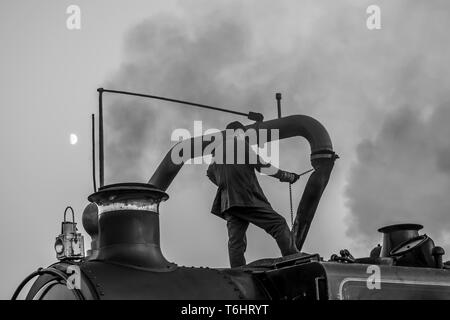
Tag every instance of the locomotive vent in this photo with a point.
(128, 226)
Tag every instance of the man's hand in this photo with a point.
(288, 177)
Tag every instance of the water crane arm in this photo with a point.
(322, 160)
(254, 116)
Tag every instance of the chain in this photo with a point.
(290, 196)
(290, 201)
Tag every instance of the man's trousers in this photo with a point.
(238, 219)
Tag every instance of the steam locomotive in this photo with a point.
(125, 260)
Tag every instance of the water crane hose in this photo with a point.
(322, 160)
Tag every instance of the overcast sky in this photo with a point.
(382, 95)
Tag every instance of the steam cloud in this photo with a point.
(403, 174)
(164, 58)
(401, 170)
(381, 94)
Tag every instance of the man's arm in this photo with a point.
(283, 176)
(210, 174)
(271, 170)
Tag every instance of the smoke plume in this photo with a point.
(381, 94)
(403, 174)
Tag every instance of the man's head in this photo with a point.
(235, 125)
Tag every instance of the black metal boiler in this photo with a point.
(126, 262)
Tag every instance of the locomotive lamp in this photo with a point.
(69, 244)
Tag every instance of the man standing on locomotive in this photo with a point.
(241, 201)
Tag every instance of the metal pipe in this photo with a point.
(93, 153)
(254, 116)
(60, 275)
(101, 153)
(278, 97)
(179, 101)
(322, 160)
(297, 125)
